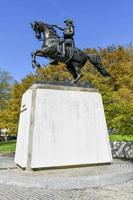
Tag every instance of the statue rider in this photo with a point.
(67, 40)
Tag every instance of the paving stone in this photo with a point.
(122, 191)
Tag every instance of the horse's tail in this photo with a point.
(96, 61)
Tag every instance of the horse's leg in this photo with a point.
(78, 66)
(96, 61)
(34, 62)
(78, 61)
(71, 69)
(76, 73)
(44, 52)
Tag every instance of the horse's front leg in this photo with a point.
(34, 62)
(34, 54)
(44, 52)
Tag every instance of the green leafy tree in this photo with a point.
(13, 109)
(5, 88)
(6, 82)
(117, 91)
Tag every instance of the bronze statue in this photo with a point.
(63, 49)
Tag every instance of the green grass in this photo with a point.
(10, 146)
(121, 137)
(7, 147)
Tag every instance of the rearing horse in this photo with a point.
(52, 48)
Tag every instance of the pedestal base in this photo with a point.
(61, 126)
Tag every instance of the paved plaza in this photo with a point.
(123, 191)
(11, 189)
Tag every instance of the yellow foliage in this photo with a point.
(117, 91)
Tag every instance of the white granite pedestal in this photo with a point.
(61, 126)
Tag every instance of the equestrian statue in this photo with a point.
(62, 49)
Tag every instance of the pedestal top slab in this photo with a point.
(57, 86)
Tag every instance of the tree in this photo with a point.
(117, 91)
(5, 88)
(11, 114)
(6, 82)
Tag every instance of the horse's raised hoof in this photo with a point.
(33, 64)
(38, 65)
(77, 79)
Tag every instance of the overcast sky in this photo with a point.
(98, 23)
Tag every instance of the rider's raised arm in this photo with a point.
(59, 27)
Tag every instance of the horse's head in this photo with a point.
(40, 27)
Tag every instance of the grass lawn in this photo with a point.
(10, 146)
(127, 138)
(7, 147)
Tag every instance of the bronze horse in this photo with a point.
(52, 48)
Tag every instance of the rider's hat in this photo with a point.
(69, 21)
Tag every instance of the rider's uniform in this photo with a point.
(68, 37)
(67, 40)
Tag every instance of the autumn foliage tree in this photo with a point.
(117, 90)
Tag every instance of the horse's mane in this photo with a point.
(53, 31)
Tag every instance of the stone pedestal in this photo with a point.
(61, 126)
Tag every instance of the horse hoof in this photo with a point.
(73, 81)
(38, 66)
(33, 65)
(77, 79)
